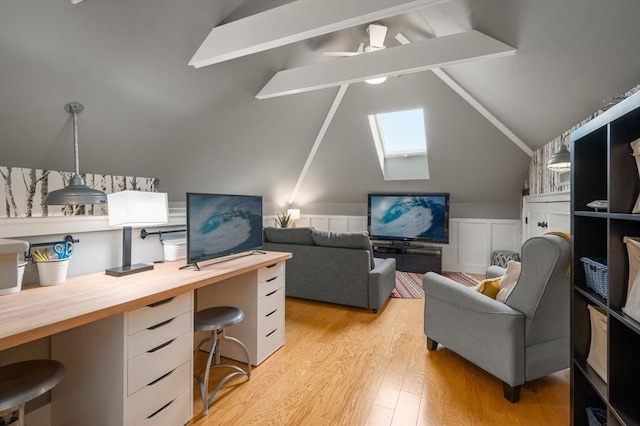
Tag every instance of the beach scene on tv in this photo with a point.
(222, 225)
(409, 217)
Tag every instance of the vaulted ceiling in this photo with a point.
(148, 113)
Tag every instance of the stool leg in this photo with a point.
(21, 415)
(244, 349)
(205, 384)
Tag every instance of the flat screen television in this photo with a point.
(409, 217)
(220, 225)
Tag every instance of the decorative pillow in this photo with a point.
(489, 287)
(354, 240)
(289, 235)
(509, 280)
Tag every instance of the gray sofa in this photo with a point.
(333, 267)
(526, 337)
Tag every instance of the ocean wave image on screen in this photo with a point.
(220, 228)
(408, 217)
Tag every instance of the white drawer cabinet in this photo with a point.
(134, 368)
(260, 295)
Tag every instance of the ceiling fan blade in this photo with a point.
(357, 52)
(402, 39)
(377, 34)
(340, 53)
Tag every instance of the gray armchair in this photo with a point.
(526, 337)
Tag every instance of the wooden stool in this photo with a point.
(23, 381)
(215, 320)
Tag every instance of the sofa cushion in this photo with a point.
(354, 240)
(289, 235)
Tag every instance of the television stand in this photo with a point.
(410, 257)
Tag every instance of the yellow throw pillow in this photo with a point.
(489, 287)
(509, 280)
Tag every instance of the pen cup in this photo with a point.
(52, 272)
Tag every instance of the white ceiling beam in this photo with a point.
(446, 78)
(293, 22)
(409, 58)
(464, 94)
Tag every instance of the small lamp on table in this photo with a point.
(135, 208)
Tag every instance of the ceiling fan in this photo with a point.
(377, 33)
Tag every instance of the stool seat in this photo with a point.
(23, 381)
(217, 318)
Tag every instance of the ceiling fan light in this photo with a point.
(377, 80)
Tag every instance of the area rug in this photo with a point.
(409, 284)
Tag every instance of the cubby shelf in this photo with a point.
(604, 169)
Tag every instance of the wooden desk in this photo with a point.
(37, 312)
(128, 358)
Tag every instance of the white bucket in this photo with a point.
(175, 249)
(15, 288)
(52, 272)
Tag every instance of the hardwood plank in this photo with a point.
(347, 366)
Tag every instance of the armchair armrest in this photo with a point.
(484, 331)
(494, 271)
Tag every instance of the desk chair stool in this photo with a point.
(215, 320)
(23, 381)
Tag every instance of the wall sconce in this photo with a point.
(294, 214)
(76, 192)
(135, 208)
(560, 161)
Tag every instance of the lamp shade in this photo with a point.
(294, 214)
(137, 208)
(560, 161)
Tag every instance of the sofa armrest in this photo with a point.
(382, 281)
(484, 331)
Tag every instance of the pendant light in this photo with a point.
(560, 161)
(77, 192)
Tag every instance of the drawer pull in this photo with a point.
(271, 279)
(160, 324)
(271, 294)
(159, 379)
(157, 348)
(161, 409)
(269, 334)
(161, 302)
(271, 266)
(271, 313)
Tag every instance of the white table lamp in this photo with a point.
(294, 214)
(135, 208)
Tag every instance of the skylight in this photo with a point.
(402, 133)
(401, 144)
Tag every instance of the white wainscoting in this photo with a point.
(471, 241)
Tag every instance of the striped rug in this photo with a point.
(409, 284)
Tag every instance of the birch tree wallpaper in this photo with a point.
(24, 189)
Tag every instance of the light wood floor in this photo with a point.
(344, 366)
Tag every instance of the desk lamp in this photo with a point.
(134, 208)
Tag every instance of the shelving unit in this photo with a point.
(410, 257)
(604, 169)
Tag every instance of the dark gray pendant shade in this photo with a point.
(560, 161)
(77, 192)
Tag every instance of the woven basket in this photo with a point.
(595, 270)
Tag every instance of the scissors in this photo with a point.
(63, 250)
